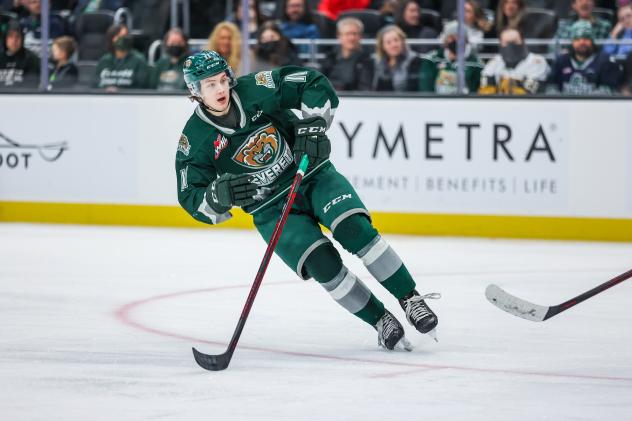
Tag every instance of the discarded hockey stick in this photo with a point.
(221, 361)
(537, 313)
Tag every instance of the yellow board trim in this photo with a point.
(566, 228)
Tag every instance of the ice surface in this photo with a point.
(97, 323)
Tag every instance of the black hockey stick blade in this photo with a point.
(212, 362)
(537, 313)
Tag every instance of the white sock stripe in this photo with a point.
(344, 287)
(375, 252)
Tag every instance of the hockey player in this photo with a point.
(240, 148)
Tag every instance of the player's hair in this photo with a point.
(379, 47)
(350, 21)
(234, 59)
(67, 44)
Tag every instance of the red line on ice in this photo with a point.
(124, 315)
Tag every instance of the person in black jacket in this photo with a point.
(64, 74)
(19, 67)
(349, 67)
(585, 70)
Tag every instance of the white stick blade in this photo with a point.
(514, 305)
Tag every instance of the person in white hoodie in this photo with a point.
(514, 70)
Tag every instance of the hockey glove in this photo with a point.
(310, 139)
(230, 190)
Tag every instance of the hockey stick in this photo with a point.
(221, 361)
(537, 313)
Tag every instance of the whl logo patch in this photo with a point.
(260, 149)
(219, 145)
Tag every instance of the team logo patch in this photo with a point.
(183, 145)
(188, 63)
(260, 149)
(219, 145)
(265, 79)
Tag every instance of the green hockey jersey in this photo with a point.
(269, 104)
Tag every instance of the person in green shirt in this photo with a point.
(439, 67)
(166, 74)
(121, 67)
(240, 147)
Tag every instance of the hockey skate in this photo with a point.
(419, 314)
(390, 333)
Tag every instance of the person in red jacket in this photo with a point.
(332, 8)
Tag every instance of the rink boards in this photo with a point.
(527, 168)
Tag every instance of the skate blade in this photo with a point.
(404, 345)
(433, 334)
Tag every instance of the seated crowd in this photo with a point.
(414, 46)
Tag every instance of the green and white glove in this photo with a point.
(230, 190)
(310, 139)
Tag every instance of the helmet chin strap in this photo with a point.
(208, 107)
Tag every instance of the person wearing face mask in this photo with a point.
(584, 70)
(121, 67)
(19, 67)
(273, 49)
(514, 71)
(167, 72)
(439, 67)
(64, 73)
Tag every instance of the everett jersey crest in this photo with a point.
(260, 149)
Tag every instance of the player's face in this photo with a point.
(215, 92)
(393, 44)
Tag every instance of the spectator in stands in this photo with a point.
(273, 49)
(408, 18)
(387, 10)
(439, 67)
(509, 15)
(332, 8)
(396, 67)
(122, 67)
(167, 72)
(226, 40)
(585, 70)
(584, 11)
(64, 73)
(19, 67)
(515, 71)
(32, 23)
(255, 17)
(476, 23)
(296, 20)
(349, 67)
(621, 31)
